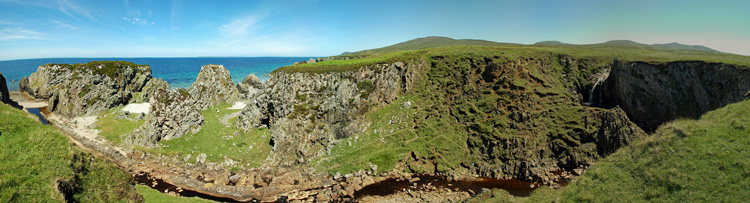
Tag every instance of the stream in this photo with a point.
(474, 186)
(38, 112)
(164, 187)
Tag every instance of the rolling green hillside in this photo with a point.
(40, 164)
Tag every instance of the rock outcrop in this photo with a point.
(172, 115)
(213, 86)
(307, 111)
(653, 93)
(151, 87)
(4, 94)
(86, 89)
(249, 86)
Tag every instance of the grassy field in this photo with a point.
(218, 140)
(115, 130)
(35, 158)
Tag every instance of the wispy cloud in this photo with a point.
(138, 21)
(19, 33)
(240, 28)
(69, 8)
(173, 15)
(64, 25)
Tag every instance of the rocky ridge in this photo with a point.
(213, 86)
(86, 89)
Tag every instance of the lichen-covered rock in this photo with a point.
(86, 89)
(151, 87)
(213, 86)
(172, 115)
(4, 95)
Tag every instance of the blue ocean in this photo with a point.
(178, 72)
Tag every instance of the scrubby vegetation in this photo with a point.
(112, 69)
(40, 164)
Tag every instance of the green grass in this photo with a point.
(247, 148)
(153, 196)
(115, 130)
(35, 156)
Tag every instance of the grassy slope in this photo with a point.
(430, 42)
(684, 161)
(35, 156)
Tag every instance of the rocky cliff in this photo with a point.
(4, 95)
(172, 115)
(307, 112)
(213, 86)
(86, 89)
(151, 88)
(653, 93)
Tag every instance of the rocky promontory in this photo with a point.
(250, 85)
(213, 86)
(86, 89)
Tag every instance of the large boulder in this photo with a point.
(4, 95)
(213, 86)
(172, 115)
(86, 89)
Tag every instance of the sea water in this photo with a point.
(178, 72)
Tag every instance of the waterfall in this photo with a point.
(595, 96)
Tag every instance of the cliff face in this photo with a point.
(653, 93)
(4, 95)
(86, 89)
(213, 86)
(306, 112)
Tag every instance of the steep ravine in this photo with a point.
(654, 93)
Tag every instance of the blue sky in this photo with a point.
(182, 28)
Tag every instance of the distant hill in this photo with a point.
(436, 41)
(675, 45)
(430, 42)
(629, 43)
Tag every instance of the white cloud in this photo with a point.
(250, 36)
(19, 33)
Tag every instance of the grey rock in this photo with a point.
(213, 86)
